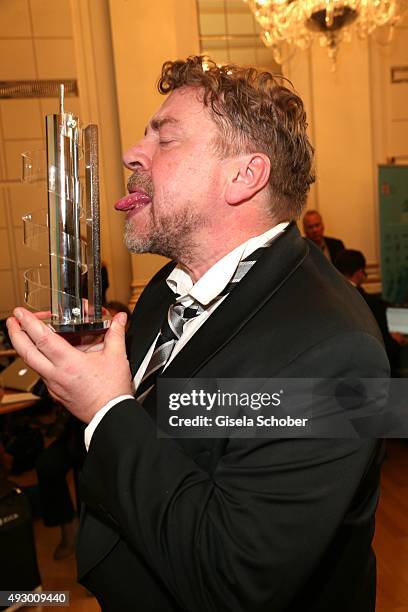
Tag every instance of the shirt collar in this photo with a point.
(210, 285)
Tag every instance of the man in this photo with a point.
(314, 231)
(352, 264)
(217, 181)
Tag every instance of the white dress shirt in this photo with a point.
(204, 291)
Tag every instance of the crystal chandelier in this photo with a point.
(298, 22)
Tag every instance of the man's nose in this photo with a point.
(136, 158)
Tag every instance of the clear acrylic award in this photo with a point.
(69, 287)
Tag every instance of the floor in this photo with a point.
(60, 575)
(391, 544)
(391, 539)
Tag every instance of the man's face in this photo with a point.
(314, 228)
(176, 181)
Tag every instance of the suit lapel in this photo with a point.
(274, 267)
(278, 262)
(147, 318)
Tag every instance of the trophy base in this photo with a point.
(79, 334)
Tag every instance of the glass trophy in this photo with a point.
(69, 287)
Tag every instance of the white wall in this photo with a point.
(96, 80)
(56, 39)
(36, 42)
(144, 37)
(358, 119)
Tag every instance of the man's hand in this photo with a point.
(82, 381)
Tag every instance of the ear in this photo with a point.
(247, 175)
(356, 278)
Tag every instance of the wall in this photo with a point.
(358, 119)
(143, 38)
(390, 99)
(44, 39)
(96, 78)
(35, 43)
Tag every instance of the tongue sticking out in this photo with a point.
(136, 199)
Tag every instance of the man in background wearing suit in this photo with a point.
(352, 264)
(314, 230)
(220, 524)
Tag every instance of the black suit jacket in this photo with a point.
(334, 246)
(239, 524)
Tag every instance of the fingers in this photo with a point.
(27, 349)
(46, 341)
(115, 336)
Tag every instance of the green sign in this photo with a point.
(393, 196)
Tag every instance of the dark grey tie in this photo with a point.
(173, 325)
(170, 334)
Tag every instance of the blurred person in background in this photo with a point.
(352, 264)
(313, 228)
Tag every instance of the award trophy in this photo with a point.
(74, 270)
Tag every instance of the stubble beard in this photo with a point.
(170, 235)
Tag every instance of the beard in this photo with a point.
(170, 235)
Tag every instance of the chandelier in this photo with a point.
(298, 22)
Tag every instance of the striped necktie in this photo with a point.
(173, 325)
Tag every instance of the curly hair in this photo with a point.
(254, 112)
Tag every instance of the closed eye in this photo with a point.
(165, 142)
